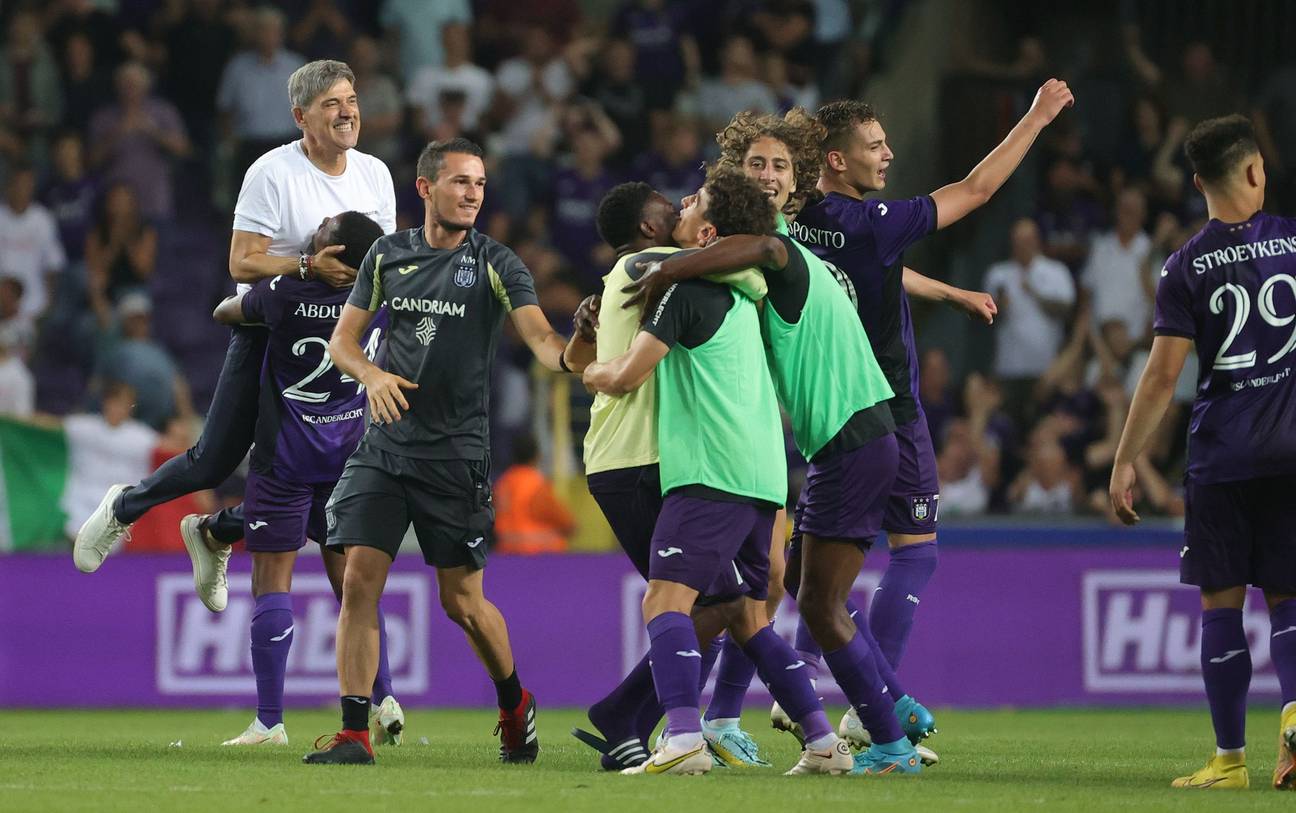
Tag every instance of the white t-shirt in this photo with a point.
(30, 249)
(475, 82)
(285, 196)
(1113, 276)
(1027, 338)
(98, 456)
(17, 388)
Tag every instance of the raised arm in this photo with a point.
(957, 200)
(386, 399)
(249, 262)
(628, 371)
(728, 254)
(977, 304)
(1155, 388)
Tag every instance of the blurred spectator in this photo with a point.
(832, 35)
(71, 193)
(1201, 90)
(459, 83)
(155, 532)
(1112, 282)
(1034, 295)
(1049, 484)
(322, 32)
(737, 88)
(1068, 215)
(1274, 116)
(104, 448)
(625, 99)
(192, 84)
(30, 250)
(136, 139)
(675, 169)
(577, 190)
(19, 327)
(251, 95)
(529, 517)
(84, 86)
(662, 46)
(414, 26)
(31, 100)
(382, 104)
(121, 249)
(787, 90)
(785, 27)
(126, 352)
(17, 386)
(65, 19)
(968, 463)
(938, 400)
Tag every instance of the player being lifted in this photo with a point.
(1231, 292)
(425, 460)
(310, 420)
(865, 241)
(723, 477)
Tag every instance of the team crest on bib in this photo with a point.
(465, 275)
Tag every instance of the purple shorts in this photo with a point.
(846, 496)
(915, 498)
(279, 517)
(717, 548)
(1240, 533)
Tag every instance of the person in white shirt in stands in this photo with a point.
(103, 448)
(1035, 295)
(30, 250)
(458, 76)
(1112, 280)
(17, 386)
(286, 194)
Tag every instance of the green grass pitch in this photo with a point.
(991, 760)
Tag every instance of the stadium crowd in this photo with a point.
(132, 121)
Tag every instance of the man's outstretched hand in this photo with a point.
(648, 290)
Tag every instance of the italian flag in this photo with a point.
(33, 478)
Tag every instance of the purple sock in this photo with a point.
(709, 657)
(808, 651)
(884, 669)
(891, 612)
(1282, 647)
(272, 624)
(676, 666)
(1226, 670)
(733, 678)
(788, 683)
(856, 673)
(382, 686)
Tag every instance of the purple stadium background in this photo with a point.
(1058, 624)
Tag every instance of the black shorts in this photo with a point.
(1240, 533)
(630, 499)
(448, 501)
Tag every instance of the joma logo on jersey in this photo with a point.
(1142, 633)
(202, 653)
(433, 306)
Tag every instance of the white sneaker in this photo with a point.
(99, 533)
(257, 734)
(671, 759)
(386, 722)
(780, 721)
(853, 731)
(836, 759)
(211, 582)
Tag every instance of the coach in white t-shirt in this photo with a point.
(285, 195)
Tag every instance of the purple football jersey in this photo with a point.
(311, 416)
(863, 241)
(1232, 290)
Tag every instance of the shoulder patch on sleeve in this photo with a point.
(497, 286)
(377, 298)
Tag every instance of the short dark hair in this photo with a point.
(1216, 146)
(620, 212)
(358, 233)
(737, 204)
(839, 120)
(433, 156)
